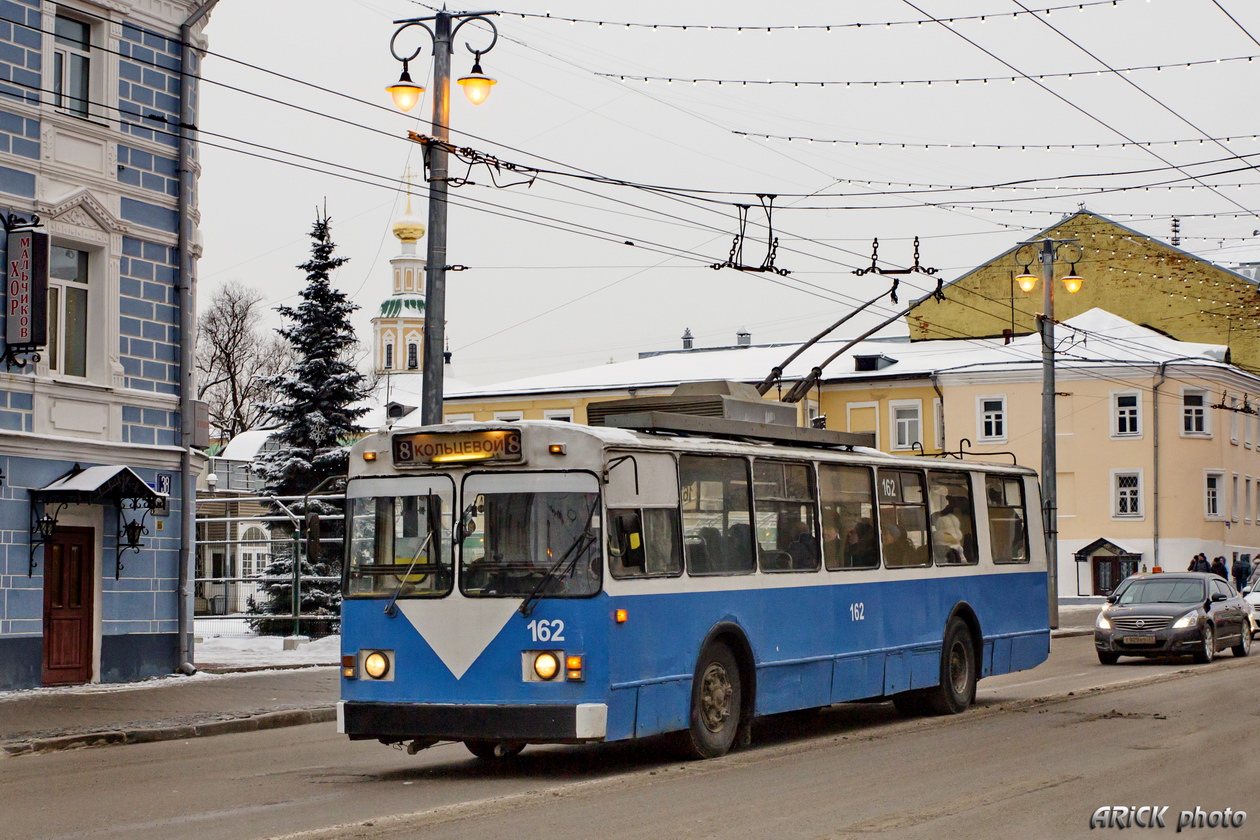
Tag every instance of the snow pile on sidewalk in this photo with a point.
(264, 652)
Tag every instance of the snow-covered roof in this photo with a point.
(246, 445)
(1093, 337)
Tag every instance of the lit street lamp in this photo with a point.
(406, 93)
(1048, 250)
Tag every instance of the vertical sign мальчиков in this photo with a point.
(26, 289)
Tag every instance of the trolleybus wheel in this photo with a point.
(957, 689)
(715, 704)
(494, 749)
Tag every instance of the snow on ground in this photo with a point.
(264, 652)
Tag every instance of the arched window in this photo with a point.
(413, 356)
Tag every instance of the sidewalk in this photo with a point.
(229, 695)
(170, 708)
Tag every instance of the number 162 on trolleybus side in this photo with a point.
(545, 582)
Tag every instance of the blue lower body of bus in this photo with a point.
(461, 669)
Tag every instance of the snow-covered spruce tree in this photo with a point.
(315, 410)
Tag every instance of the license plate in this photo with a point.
(1138, 640)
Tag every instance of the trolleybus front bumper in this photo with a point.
(536, 723)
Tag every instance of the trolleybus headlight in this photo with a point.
(376, 664)
(546, 666)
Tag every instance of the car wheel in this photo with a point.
(495, 749)
(1106, 657)
(1207, 648)
(1244, 640)
(715, 705)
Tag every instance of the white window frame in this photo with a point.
(1246, 507)
(893, 407)
(1116, 433)
(1233, 498)
(1139, 497)
(1214, 495)
(1247, 425)
(1234, 418)
(509, 416)
(849, 408)
(387, 361)
(1001, 418)
(458, 418)
(102, 58)
(1206, 415)
(54, 359)
(565, 414)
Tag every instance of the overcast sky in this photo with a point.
(553, 283)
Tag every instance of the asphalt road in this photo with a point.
(1039, 754)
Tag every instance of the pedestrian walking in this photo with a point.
(1241, 571)
(1218, 567)
(1199, 564)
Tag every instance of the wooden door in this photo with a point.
(69, 573)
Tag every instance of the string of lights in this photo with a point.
(825, 27)
(1019, 147)
(874, 83)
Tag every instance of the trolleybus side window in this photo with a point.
(953, 518)
(903, 518)
(644, 542)
(786, 531)
(530, 534)
(1008, 531)
(850, 532)
(717, 528)
(397, 544)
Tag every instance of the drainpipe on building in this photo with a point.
(187, 334)
(1163, 368)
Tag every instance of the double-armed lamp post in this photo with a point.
(1048, 250)
(406, 94)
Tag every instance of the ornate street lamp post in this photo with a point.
(406, 94)
(1048, 250)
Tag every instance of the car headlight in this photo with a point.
(1102, 622)
(376, 664)
(546, 666)
(1188, 620)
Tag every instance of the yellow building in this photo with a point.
(1158, 443)
(1138, 277)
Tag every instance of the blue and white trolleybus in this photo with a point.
(543, 582)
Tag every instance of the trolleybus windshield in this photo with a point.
(399, 544)
(531, 534)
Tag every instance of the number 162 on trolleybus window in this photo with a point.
(543, 582)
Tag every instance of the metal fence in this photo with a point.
(238, 537)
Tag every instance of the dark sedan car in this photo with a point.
(1169, 615)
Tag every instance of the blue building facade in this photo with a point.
(91, 98)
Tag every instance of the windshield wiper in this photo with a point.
(527, 607)
(402, 581)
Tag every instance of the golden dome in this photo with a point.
(408, 228)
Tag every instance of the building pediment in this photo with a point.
(83, 210)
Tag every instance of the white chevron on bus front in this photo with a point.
(459, 629)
